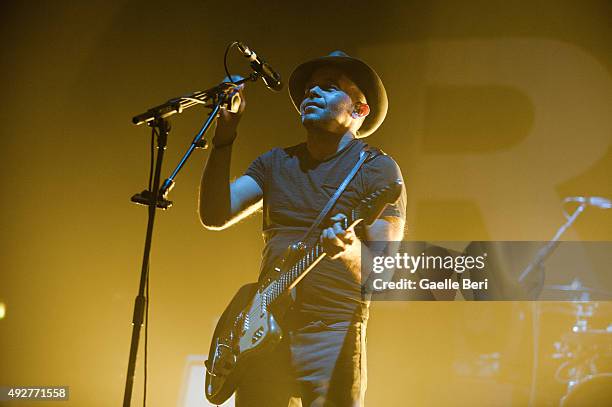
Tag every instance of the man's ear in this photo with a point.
(360, 110)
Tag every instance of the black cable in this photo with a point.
(146, 341)
(153, 134)
(227, 72)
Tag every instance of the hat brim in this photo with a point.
(359, 72)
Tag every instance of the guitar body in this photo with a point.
(244, 332)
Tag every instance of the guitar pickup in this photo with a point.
(257, 335)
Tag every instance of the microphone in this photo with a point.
(270, 77)
(597, 201)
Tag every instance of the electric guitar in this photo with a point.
(248, 328)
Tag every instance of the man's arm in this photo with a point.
(222, 204)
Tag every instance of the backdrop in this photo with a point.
(497, 112)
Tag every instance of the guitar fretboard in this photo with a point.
(312, 255)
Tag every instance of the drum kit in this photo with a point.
(583, 353)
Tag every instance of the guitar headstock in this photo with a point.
(372, 205)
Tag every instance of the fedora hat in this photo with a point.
(366, 79)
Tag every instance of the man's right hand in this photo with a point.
(227, 122)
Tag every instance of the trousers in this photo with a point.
(318, 364)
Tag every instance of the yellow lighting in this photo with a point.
(2, 310)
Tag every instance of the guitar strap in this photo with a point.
(365, 154)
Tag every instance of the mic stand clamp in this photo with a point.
(146, 197)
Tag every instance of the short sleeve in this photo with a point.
(380, 172)
(258, 168)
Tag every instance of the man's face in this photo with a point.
(328, 101)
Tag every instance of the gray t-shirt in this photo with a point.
(295, 189)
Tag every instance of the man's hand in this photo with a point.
(340, 243)
(343, 244)
(227, 123)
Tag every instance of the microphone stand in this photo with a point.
(156, 118)
(536, 263)
(148, 198)
(547, 250)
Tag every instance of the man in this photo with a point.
(321, 358)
